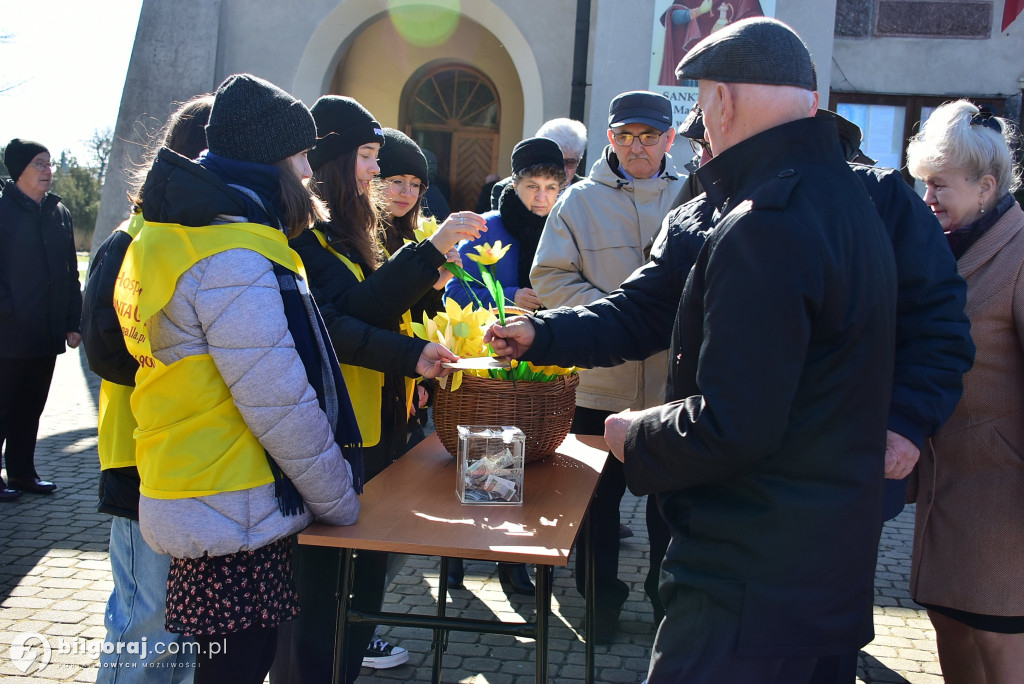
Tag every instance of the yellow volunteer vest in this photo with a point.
(191, 440)
(365, 385)
(116, 429)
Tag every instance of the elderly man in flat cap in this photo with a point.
(768, 461)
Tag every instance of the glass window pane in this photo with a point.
(882, 128)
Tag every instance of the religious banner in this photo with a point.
(681, 24)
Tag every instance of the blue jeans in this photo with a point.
(136, 611)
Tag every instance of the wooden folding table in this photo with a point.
(412, 508)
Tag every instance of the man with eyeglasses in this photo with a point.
(40, 306)
(595, 237)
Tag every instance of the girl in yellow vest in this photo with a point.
(363, 295)
(245, 433)
(135, 610)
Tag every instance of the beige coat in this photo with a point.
(969, 535)
(597, 234)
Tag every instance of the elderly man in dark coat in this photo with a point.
(40, 306)
(768, 460)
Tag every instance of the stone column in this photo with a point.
(174, 58)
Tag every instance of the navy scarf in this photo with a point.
(961, 239)
(262, 179)
(318, 358)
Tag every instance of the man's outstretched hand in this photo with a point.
(511, 340)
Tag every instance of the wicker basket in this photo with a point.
(542, 410)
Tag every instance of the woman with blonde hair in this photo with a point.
(968, 564)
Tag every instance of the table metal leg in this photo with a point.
(544, 586)
(440, 642)
(590, 619)
(341, 622)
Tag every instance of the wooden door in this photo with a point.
(454, 111)
(473, 156)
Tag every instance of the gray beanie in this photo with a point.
(253, 120)
(755, 50)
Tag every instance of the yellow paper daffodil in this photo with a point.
(553, 371)
(427, 227)
(487, 254)
(460, 329)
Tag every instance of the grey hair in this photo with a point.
(571, 135)
(947, 140)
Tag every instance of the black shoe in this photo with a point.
(515, 579)
(456, 573)
(9, 494)
(32, 485)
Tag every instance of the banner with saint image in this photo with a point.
(681, 24)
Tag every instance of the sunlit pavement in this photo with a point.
(55, 580)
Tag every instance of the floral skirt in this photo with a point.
(226, 594)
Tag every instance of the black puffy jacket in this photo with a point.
(40, 294)
(109, 358)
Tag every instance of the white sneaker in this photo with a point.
(380, 655)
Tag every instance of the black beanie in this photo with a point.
(253, 120)
(534, 152)
(19, 154)
(401, 156)
(342, 124)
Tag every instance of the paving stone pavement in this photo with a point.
(55, 579)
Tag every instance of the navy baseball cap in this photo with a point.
(640, 106)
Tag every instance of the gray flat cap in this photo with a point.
(756, 50)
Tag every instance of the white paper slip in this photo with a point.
(478, 363)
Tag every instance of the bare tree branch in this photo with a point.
(100, 143)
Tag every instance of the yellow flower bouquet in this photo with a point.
(539, 400)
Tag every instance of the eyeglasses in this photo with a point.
(569, 161)
(646, 139)
(43, 166)
(699, 145)
(400, 187)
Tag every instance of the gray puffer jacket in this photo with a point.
(229, 305)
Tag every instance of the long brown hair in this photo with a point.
(299, 206)
(184, 133)
(355, 225)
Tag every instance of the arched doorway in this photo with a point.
(453, 110)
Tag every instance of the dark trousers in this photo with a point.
(697, 644)
(610, 591)
(242, 657)
(836, 669)
(306, 644)
(24, 386)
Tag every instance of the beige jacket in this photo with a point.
(598, 233)
(969, 533)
